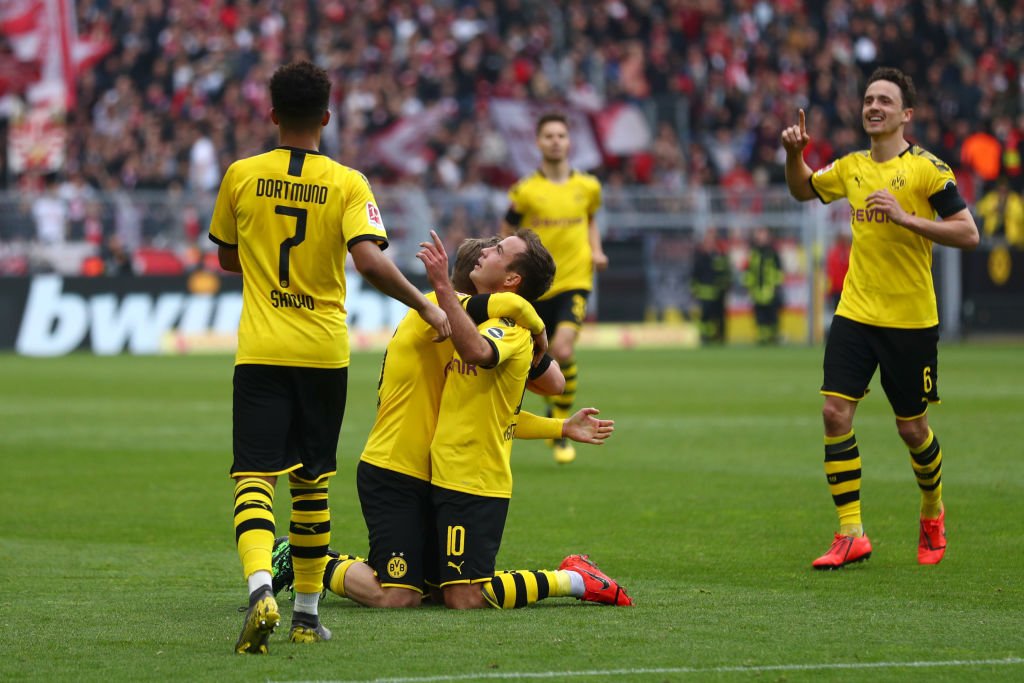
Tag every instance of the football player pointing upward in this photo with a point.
(887, 316)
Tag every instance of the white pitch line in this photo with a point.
(839, 666)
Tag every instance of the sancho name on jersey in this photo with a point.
(292, 214)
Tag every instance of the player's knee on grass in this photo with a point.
(401, 598)
(464, 596)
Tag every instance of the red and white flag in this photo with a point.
(516, 121)
(402, 146)
(623, 129)
(43, 35)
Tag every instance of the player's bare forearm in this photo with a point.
(384, 275)
(798, 177)
(597, 255)
(229, 259)
(958, 230)
(464, 334)
(507, 229)
(960, 233)
(551, 383)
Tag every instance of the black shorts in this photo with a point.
(567, 308)
(469, 532)
(908, 360)
(400, 523)
(287, 419)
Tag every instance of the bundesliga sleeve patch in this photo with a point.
(824, 169)
(495, 332)
(373, 216)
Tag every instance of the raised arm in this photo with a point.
(798, 173)
(472, 347)
(383, 274)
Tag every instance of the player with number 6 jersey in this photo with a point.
(902, 201)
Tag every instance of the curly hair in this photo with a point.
(902, 80)
(299, 93)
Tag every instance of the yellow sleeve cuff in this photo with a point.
(532, 426)
(511, 305)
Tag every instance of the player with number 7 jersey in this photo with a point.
(286, 220)
(292, 213)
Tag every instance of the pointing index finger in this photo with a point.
(803, 123)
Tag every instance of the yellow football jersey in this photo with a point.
(412, 377)
(560, 214)
(889, 283)
(472, 445)
(292, 214)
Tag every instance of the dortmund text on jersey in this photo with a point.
(292, 214)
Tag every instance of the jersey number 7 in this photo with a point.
(295, 240)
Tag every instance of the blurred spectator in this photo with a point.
(712, 277)
(50, 213)
(711, 71)
(837, 262)
(76, 194)
(982, 152)
(1001, 214)
(763, 279)
(20, 224)
(182, 93)
(117, 260)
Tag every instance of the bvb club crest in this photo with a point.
(898, 182)
(397, 567)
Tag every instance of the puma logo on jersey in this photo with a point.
(457, 567)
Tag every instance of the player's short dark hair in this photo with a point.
(299, 93)
(465, 260)
(535, 266)
(902, 80)
(548, 118)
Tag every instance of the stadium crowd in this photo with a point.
(183, 91)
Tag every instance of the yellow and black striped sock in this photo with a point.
(926, 460)
(561, 406)
(254, 524)
(309, 532)
(334, 574)
(842, 468)
(519, 588)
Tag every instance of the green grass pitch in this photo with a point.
(117, 557)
